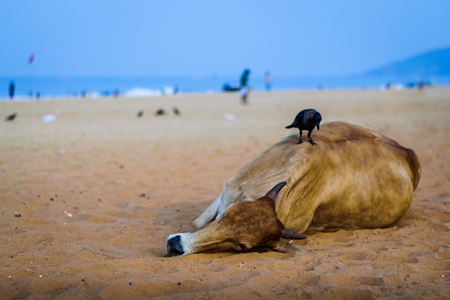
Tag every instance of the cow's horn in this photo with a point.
(275, 190)
(289, 234)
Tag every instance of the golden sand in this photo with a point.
(99, 190)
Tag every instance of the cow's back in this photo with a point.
(353, 178)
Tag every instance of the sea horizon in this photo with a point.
(50, 87)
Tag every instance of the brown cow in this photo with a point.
(353, 178)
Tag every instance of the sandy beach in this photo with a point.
(98, 191)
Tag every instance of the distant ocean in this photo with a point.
(56, 87)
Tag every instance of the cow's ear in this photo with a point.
(272, 194)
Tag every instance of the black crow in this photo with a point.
(176, 111)
(160, 112)
(11, 117)
(140, 113)
(307, 119)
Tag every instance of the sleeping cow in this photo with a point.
(353, 178)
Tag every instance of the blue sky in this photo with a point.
(204, 38)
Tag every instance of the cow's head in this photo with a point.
(245, 225)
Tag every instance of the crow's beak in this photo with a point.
(318, 126)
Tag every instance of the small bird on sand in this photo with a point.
(160, 112)
(140, 113)
(307, 119)
(176, 111)
(11, 117)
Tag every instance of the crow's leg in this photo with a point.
(300, 141)
(310, 139)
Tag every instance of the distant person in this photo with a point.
(244, 78)
(244, 95)
(11, 89)
(268, 81)
(244, 87)
(421, 85)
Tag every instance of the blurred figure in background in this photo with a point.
(244, 94)
(244, 77)
(11, 89)
(244, 87)
(268, 81)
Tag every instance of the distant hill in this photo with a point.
(433, 63)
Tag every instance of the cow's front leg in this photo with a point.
(209, 214)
